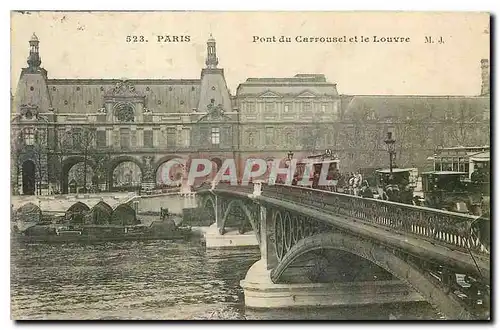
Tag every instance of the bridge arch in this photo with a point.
(233, 205)
(208, 205)
(379, 255)
(68, 164)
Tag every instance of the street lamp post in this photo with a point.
(289, 162)
(390, 142)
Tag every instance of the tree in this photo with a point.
(61, 147)
(102, 160)
(311, 134)
(83, 143)
(40, 151)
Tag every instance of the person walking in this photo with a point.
(351, 183)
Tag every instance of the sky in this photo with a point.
(93, 45)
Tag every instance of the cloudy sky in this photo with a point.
(93, 45)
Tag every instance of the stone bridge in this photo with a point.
(316, 245)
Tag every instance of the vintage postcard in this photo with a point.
(250, 165)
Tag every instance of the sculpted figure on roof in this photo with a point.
(215, 110)
(123, 88)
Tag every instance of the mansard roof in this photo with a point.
(87, 95)
(414, 106)
(315, 84)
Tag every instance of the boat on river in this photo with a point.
(57, 233)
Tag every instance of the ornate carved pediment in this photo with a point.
(123, 89)
(124, 112)
(270, 94)
(29, 111)
(306, 93)
(215, 111)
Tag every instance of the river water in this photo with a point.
(153, 280)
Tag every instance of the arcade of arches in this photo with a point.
(123, 174)
(120, 174)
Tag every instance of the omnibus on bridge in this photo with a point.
(461, 159)
(318, 161)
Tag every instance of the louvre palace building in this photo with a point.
(114, 134)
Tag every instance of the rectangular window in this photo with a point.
(187, 137)
(125, 137)
(215, 135)
(335, 110)
(269, 136)
(148, 139)
(250, 107)
(133, 138)
(76, 135)
(171, 137)
(29, 136)
(269, 108)
(324, 107)
(306, 107)
(287, 108)
(101, 139)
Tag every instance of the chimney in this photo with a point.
(485, 77)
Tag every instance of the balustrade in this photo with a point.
(437, 225)
(442, 227)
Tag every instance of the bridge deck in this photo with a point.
(422, 246)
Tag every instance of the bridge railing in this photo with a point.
(439, 226)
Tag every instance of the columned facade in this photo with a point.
(70, 135)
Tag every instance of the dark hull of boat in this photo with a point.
(88, 238)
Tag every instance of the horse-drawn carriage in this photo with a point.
(396, 185)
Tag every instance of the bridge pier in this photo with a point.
(261, 292)
(230, 239)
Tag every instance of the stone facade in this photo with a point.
(57, 123)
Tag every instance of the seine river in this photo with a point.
(152, 280)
